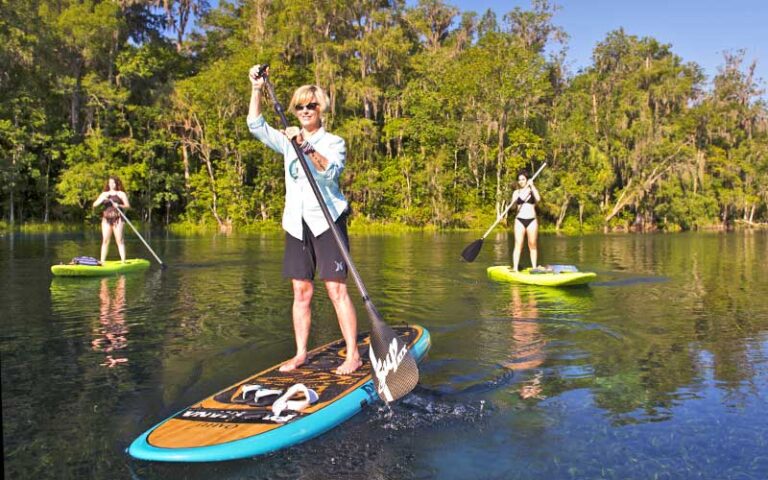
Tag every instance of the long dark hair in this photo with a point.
(118, 184)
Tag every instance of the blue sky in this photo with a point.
(699, 30)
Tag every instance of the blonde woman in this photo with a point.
(309, 244)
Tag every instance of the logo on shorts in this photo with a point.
(339, 266)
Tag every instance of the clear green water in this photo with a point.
(658, 370)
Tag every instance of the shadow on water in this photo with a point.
(625, 282)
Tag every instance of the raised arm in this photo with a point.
(258, 127)
(254, 108)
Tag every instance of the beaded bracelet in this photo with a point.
(307, 147)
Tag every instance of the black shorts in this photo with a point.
(316, 254)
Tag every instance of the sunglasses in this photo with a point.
(309, 106)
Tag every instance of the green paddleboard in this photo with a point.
(504, 273)
(110, 267)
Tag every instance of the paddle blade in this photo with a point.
(472, 250)
(395, 372)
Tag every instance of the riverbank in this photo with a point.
(40, 227)
(361, 225)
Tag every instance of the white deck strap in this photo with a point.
(261, 392)
(285, 402)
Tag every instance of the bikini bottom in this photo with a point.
(526, 221)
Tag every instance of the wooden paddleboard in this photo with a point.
(225, 427)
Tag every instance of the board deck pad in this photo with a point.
(226, 417)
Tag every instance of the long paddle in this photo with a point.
(162, 265)
(471, 251)
(395, 372)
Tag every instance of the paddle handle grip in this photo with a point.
(504, 214)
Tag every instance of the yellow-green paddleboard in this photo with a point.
(504, 273)
(110, 267)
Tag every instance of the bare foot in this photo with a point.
(349, 366)
(293, 363)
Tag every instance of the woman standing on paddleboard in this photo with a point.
(111, 221)
(309, 244)
(526, 197)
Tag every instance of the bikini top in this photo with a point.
(531, 199)
(115, 198)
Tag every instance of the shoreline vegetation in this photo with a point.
(440, 110)
(356, 227)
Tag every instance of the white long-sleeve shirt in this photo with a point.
(300, 200)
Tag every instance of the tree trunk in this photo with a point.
(408, 200)
(500, 161)
(646, 185)
(483, 193)
(11, 219)
(205, 152)
(182, 25)
(215, 197)
(185, 161)
(74, 111)
(622, 201)
(47, 198)
(455, 178)
(563, 210)
(594, 112)
(112, 56)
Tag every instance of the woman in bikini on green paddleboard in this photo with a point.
(526, 197)
(111, 198)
